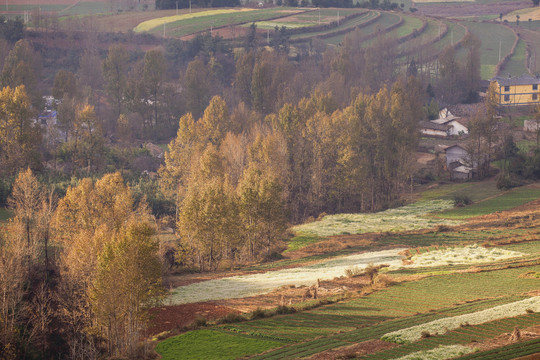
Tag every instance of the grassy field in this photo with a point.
(407, 27)
(350, 24)
(88, 8)
(449, 292)
(476, 191)
(30, 7)
(491, 35)
(192, 345)
(301, 241)
(516, 65)
(408, 217)
(186, 24)
(397, 307)
(502, 202)
(308, 18)
(384, 21)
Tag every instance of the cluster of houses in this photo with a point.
(511, 91)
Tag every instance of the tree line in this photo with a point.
(237, 186)
(78, 273)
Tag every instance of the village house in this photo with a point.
(457, 162)
(446, 125)
(517, 91)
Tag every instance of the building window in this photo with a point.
(506, 97)
(535, 96)
(507, 88)
(535, 86)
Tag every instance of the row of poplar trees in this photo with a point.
(237, 184)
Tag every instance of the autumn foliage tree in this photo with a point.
(108, 249)
(19, 137)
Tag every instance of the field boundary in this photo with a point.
(504, 60)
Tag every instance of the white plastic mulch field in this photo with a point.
(442, 352)
(256, 284)
(472, 254)
(409, 217)
(249, 285)
(441, 326)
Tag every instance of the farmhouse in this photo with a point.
(516, 91)
(457, 162)
(446, 125)
(430, 128)
(456, 125)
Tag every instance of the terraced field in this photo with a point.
(491, 35)
(384, 21)
(186, 24)
(342, 29)
(400, 306)
(309, 19)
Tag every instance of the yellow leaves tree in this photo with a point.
(127, 283)
(91, 218)
(261, 203)
(19, 139)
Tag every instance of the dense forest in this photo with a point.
(256, 139)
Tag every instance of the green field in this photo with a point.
(442, 294)
(409, 25)
(211, 344)
(476, 191)
(383, 22)
(491, 35)
(186, 24)
(502, 202)
(516, 64)
(350, 24)
(89, 8)
(301, 241)
(308, 18)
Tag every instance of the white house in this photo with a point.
(456, 125)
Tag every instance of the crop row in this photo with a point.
(374, 331)
(463, 335)
(506, 352)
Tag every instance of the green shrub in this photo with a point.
(462, 200)
(258, 314)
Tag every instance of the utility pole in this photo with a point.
(163, 29)
(268, 36)
(176, 8)
(319, 16)
(500, 50)
(338, 17)
(190, 6)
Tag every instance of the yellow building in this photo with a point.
(521, 90)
